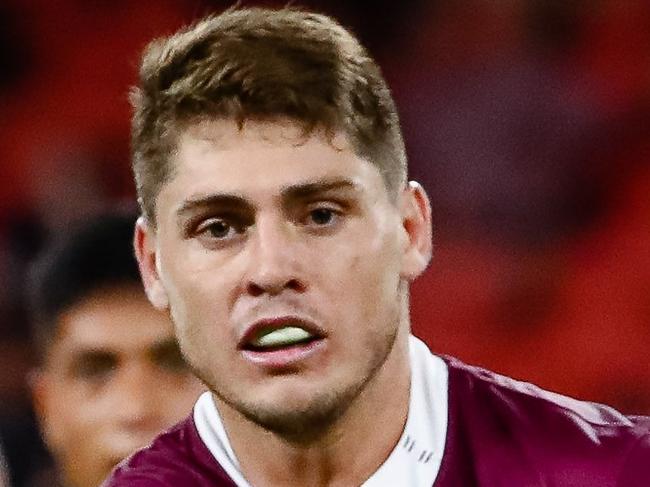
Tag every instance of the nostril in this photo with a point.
(255, 290)
(295, 285)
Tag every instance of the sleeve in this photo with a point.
(635, 471)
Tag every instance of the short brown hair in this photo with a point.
(256, 63)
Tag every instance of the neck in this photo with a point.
(348, 451)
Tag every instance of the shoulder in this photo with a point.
(546, 431)
(513, 395)
(176, 457)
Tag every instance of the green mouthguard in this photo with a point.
(289, 335)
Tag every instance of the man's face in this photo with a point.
(113, 379)
(283, 261)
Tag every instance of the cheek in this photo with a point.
(200, 314)
(199, 283)
(366, 277)
(195, 301)
(176, 407)
(74, 420)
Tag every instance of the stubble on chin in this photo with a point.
(299, 425)
(306, 423)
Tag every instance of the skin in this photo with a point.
(262, 223)
(112, 380)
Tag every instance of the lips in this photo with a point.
(278, 333)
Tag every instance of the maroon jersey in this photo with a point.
(500, 432)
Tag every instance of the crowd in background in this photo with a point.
(528, 122)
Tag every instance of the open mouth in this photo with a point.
(281, 342)
(267, 339)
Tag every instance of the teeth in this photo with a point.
(289, 335)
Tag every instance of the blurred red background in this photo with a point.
(528, 122)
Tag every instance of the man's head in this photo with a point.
(111, 376)
(279, 230)
(256, 64)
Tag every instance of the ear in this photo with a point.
(41, 385)
(146, 253)
(416, 219)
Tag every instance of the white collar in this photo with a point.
(415, 460)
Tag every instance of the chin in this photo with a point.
(296, 421)
(298, 414)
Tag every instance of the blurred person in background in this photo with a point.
(111, 375)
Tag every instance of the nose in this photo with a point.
(132, 410)
(275, 264)
(133, 394)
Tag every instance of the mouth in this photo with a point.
(280, 342)
(280, 332)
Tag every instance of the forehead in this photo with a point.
(118, 319)
(217, 155)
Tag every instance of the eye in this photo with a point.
(322, 216)
(94, 366)
(168, 356)
(219, 229)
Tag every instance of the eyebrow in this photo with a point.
(163, 345)
(307, 190)
(92, 353)
(104, 348)
(190, 205)
(293, 192)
